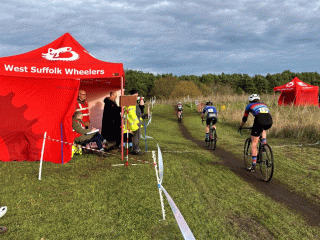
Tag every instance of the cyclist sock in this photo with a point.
(254, 160)
(264, 140)
(207, 135)
(130, 144)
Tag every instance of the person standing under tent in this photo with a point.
(83, 107)
(141, 104)
(135, 120)
(111, 120)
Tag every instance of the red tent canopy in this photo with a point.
(38, 94)
(298, 93)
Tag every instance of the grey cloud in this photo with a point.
(182, 37)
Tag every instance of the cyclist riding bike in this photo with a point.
(262, 122)
(179, 109)
(212, 116)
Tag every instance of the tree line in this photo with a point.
(165, 86)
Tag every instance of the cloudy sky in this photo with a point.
(182, 37)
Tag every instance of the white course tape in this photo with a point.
(3, 211)
(184, 228)
(298, 145)
(149, 119)
(158, 181)
(147, 137)
(117, 165)
(160, 164)
(92, 149)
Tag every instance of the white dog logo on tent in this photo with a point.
(54, 54)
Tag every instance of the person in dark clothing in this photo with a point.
(141, 104)
(111, 120)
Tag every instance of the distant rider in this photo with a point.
(179, 109)
(212, 116)
(262, 122)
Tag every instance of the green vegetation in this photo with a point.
(89, 199)
(163, 86)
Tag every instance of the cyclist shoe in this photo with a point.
(252, 168)
(206, 139)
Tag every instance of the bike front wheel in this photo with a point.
(266, 164)
(247, 154)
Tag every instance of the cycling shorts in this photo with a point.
(263, 121)
(213, 119)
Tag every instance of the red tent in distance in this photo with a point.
(297, 92)
(38, 94)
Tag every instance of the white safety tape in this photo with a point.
(71, 144)
(186, 151)
(147, 137)
(3, 210)
(116, 165)
(298, 145)
(149, 119)
(184, 228)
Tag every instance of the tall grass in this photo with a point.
(298, 122)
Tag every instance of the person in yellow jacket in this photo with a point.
(135, 120)
(131, 120)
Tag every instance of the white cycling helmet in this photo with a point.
(254, 97)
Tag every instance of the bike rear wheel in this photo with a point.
(247, 154)
(213, 139)
(266, 164)
(180, 117)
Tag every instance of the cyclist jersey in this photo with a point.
(211, 110)
(179, 107)
(255, 109)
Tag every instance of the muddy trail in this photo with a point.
(273, 189)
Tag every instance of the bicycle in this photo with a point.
(212, 142)
(180, 116)
(264, 159)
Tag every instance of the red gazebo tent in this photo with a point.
(298, 93)
(38, 94)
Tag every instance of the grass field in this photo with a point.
(88, 198)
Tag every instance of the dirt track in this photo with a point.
(273, 189)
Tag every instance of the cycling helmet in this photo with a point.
(179, 103)
(209, 103)
(254, 97)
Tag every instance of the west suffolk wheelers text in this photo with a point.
(56, 70)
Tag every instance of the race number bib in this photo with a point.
(210, 110)
(264, 110)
